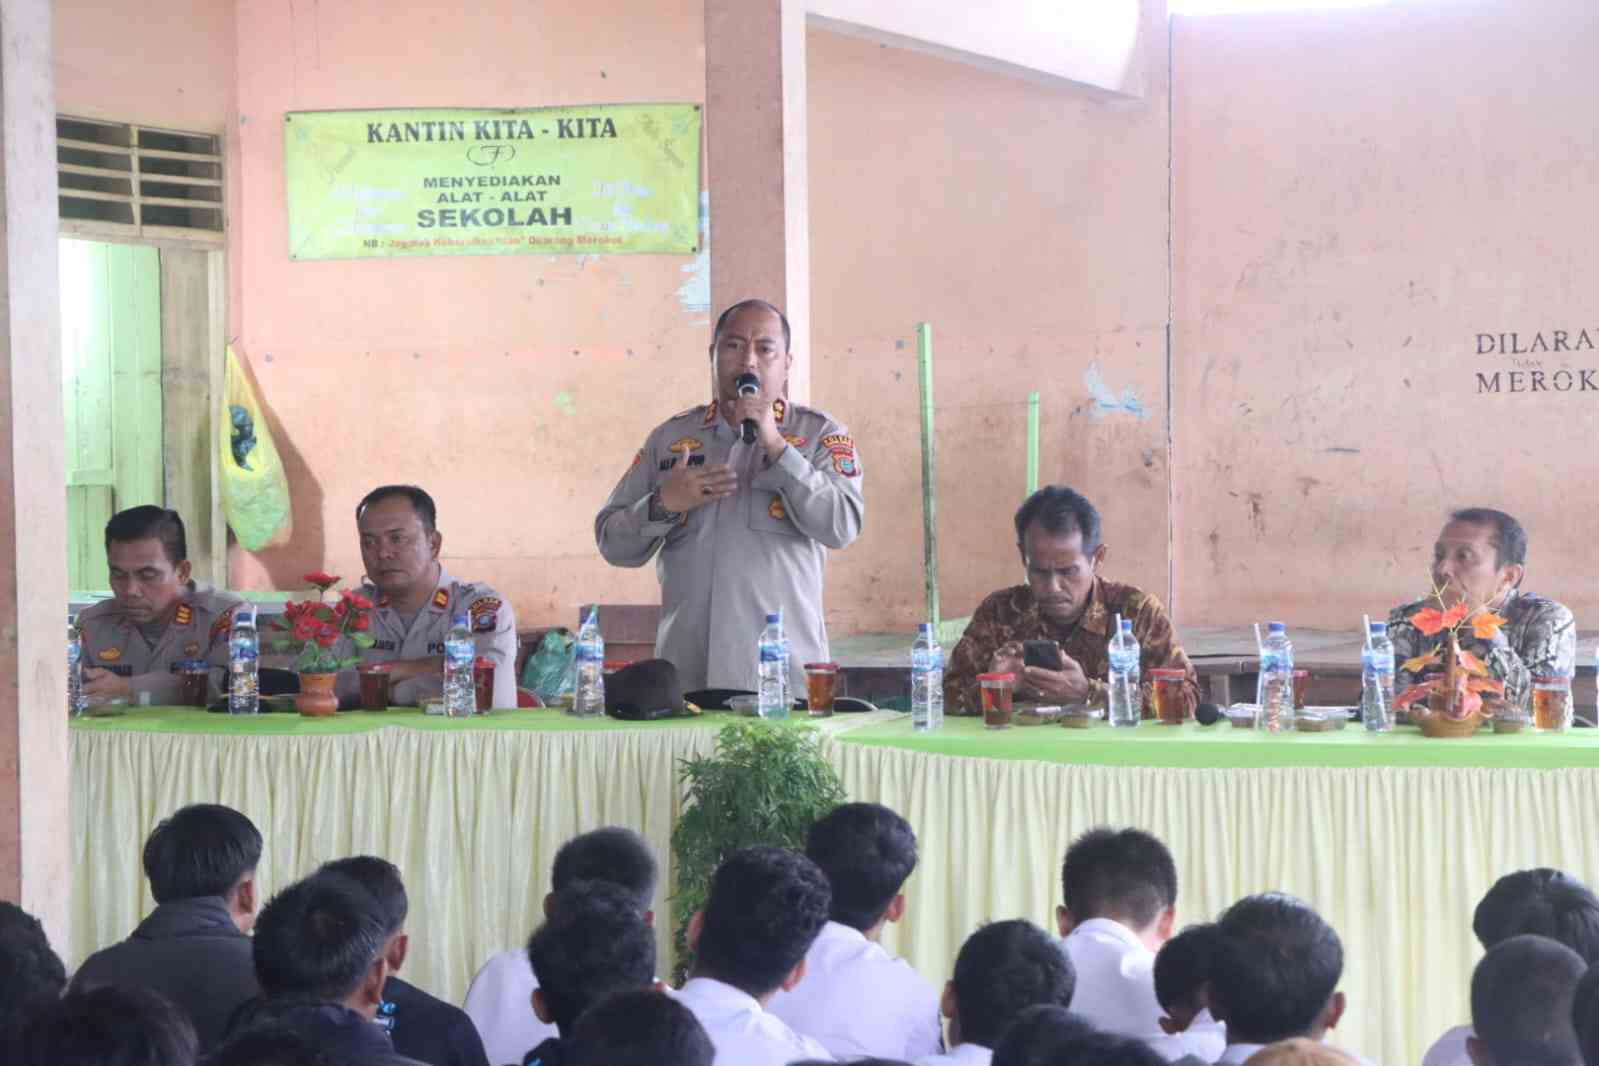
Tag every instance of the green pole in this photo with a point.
(1032, 443)
(924, 365)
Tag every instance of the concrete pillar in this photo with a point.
(34, 825)
(756, 163)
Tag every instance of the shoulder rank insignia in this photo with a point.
(779, 409)
(485, 614)
(638, 458)
(777, 510)
(383, 601)
(185, 614)
(223, 623)
(111, 655)
(842, 449)
(710, 414)
(441, 599)
(686, 445)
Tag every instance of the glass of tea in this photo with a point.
(375, 686)
(1167, 684)
(194, 683)
(1551, 703)
(483, 683)
(821, 687)
(997, 690)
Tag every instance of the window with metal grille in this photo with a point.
(124, 180)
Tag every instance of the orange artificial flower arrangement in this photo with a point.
(1464, 678)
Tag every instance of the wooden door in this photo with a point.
(111, 379)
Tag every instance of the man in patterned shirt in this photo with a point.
(1479, 560)
(1065, 601)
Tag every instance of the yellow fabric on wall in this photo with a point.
(1396, 859)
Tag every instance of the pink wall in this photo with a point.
(1358, 196)
(516, 389)
(1028, 223)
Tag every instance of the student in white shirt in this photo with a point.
(1182, 984)
(1002, 969)
(1054, 1036)
(499, 997)
(1119, 892)
(1274, 975)
(765, 908)
(643, 1028)
(1521, 1004)
(593, 945)
(867, 852)
(1543, 901)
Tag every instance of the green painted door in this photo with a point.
(111, 378)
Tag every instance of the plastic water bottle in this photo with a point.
(927, 681)
(588, 665)
(244, 650)
(1377, 680)
(75, 702)
(460, 696)
(771, 695)
(1126, 677)
(1274, 689)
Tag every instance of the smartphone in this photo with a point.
(1043, 653)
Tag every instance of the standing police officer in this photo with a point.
(741, 529)
(156, 618)
(415, 602)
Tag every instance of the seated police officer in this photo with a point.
(156, 618)
(416, 600)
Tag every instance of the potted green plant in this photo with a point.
(764, 784)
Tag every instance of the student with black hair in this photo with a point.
(106, 1026)
(1182, 985)
(156, 617)
(498, 997)
(319, 959)
(1522, 994)
(867, 852)
(423, 1027)
(766, 907)
(194, 948)
(593, 945)
(1119, 893)
(1585, 1015)
(1541, 901)
(1274, 974)
(1053, 1036)
(1002, 969)
(31, 974)
(642, 1028)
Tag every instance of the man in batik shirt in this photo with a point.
(1065, 601)
(1479, 561)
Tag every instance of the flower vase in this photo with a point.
(316, 698)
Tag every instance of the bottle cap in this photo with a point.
(1127, 625)
(925, 629)
(1276, 627)
(460, 618)
(773, 619)
(1379, 629)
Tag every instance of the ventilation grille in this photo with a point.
(137, 181)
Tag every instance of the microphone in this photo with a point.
(748, 385)
(1207, 714)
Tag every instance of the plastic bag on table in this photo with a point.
(548, 672)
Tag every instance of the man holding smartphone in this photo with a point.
(1053, 632)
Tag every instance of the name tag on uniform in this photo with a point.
(385, 645)
(435, 647)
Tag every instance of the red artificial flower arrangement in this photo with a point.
(1464, 679)
(313, 628)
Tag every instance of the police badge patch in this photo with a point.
(111, 655)
(842, 449)
(485, 614)
(777, 510)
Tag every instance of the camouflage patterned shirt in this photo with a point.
(1010, 616)
(1539, 638)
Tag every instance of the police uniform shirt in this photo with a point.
(725, 565)
(491, 620)
(198, 630)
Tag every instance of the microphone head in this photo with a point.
(748, 384)
(1207, 714)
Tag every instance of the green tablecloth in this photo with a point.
(1223, 747)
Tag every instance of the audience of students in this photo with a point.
(1182, 985)
(765, 908)
(867, 852)
(1275, 974)
(1119, 897)
(497, 999)
(421, 1026)
(1521, 1004)
(787, 968)
(593, 945)
(1001, 970)
(1542, 902)
(194, 948)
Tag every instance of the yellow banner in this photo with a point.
(585, 180)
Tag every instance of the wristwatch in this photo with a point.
(658, 511)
